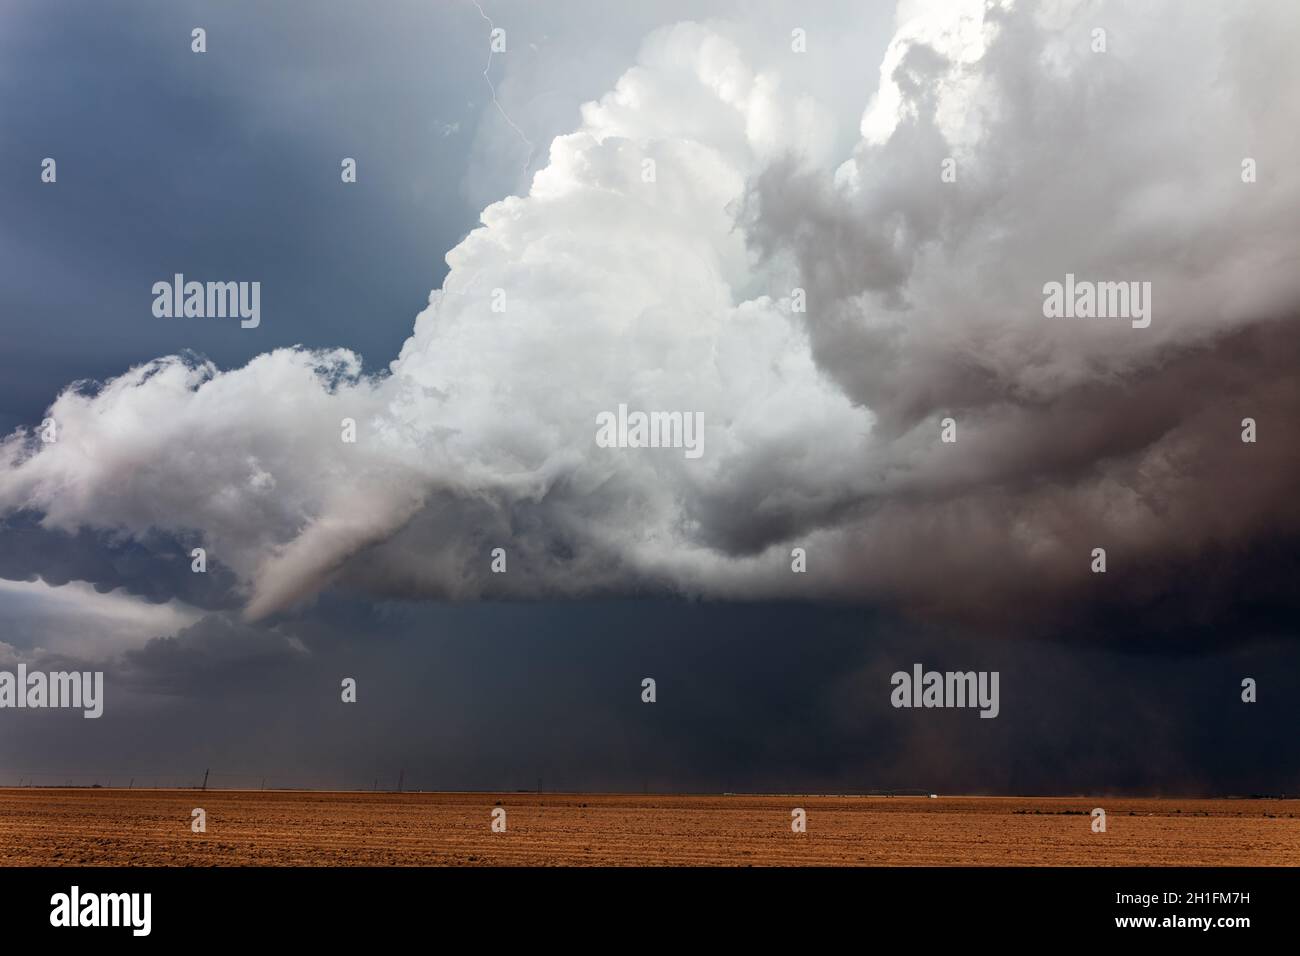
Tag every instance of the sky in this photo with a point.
(827, 231)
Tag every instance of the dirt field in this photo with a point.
(152, 827)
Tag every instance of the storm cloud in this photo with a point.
(602, 286)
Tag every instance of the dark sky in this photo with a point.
(226, 165)
(766, 697)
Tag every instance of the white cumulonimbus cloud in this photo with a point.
(652, 264)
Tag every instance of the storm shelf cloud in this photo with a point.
(701, 242)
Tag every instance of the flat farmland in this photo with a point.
(273, 828)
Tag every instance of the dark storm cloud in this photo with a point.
(213, 657)
(778, 698)
(925, 301)
(156, 566)
(1152, 469)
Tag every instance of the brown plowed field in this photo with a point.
(152, 827)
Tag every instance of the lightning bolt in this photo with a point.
(495, 102)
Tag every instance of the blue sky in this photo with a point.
(227, 165)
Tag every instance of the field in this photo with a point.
(152, 827)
